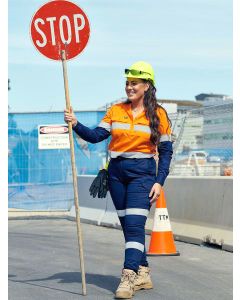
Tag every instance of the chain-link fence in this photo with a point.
(203, 141)
(42, 179)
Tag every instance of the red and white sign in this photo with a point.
(60, 25)
(53, 136)
(53, 129)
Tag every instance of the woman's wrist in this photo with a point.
(74, 124)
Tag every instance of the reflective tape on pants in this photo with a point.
(121, 212)
(133, 211)
(134, 245)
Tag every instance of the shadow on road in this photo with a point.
(107, 282)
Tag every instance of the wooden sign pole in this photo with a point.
(74, 174)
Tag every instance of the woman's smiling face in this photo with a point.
(135, 89)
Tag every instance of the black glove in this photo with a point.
(104, 184)
(100, 185)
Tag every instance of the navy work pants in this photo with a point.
(130, 182)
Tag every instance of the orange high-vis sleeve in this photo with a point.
(164, 126)
(107, 120)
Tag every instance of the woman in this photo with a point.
(139, 128)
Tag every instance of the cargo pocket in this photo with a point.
(152, 166)
(147, 183)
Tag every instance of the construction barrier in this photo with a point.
(200, 209)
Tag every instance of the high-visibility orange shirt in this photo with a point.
(131, 136)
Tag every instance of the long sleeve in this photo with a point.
(93, 136)
(165, 149)
(165, 155)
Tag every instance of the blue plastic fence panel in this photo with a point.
(42, 179)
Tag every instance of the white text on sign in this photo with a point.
(78, 21)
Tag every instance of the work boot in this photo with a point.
(143, 279)
(125, 289)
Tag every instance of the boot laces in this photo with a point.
(127, 279)
(143, 271)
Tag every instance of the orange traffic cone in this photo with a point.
(162, 241)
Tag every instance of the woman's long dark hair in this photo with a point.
(151, 105)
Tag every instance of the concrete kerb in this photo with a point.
(110, 220)
(18, 214)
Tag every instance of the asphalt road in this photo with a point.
(44, 264)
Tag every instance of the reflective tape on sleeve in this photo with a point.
(105, 125)
(161, 220)
(165, 138)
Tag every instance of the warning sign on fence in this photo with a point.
(53, 137)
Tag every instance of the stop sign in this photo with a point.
(60, 25)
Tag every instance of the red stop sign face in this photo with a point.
(60, 25)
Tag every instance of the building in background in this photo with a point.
(172, 106)
(205, 123)
(212, 99)
(217, 123)
(204, 137)
(182, 105)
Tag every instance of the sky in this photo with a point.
(188, 43)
